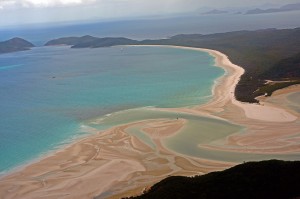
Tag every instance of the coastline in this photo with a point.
(125, 161)
(225, 93)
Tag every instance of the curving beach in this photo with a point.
(115, 163)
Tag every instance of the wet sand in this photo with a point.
(115, 163)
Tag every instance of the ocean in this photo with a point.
(51, 95)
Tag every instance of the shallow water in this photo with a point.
(49, 95)
(209, 131)
(198, 130)
(294, 99)
(289, 101)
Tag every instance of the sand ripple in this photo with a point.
(116, 163)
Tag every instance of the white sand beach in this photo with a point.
(114, 164)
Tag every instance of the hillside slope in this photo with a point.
(268, 179)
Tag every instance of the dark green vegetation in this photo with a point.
(271, 87)
(268, 54)
(14, 45)
(286, 67)
(90, 42)
(268, 179)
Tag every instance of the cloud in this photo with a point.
(7, 3)
(41, 3)
(52, 3)
(147, 5)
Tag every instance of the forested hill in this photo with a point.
(14, 45)
(268, 179)
(269, 54)
(88, 41)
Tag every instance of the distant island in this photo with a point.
(269, 54)
(266, 179)
(285, 8)
(215, 12)
(14, 45)
(88, 41)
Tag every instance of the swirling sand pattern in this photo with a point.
(121, 162)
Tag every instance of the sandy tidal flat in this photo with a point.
(115, 163)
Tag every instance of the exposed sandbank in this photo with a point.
(108, 161)
(113, 162)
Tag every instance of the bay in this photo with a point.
(49, 93)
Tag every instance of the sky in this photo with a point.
(21, 12)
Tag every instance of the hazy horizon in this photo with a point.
(25, 12)
(152, 28)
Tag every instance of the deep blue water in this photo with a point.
(48, 92)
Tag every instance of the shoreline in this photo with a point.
(252, 111)
(106, 154)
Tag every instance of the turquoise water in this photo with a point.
(197, 131)
(294, 100)
(49, 93)
(290, 101)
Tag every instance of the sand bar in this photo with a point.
(114, 163)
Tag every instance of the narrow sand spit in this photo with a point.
(114, 163)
